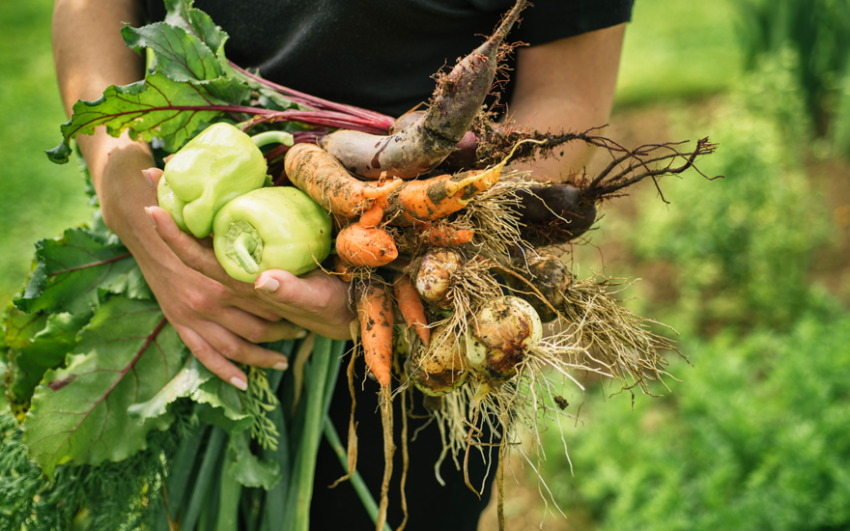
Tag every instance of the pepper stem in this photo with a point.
(241, 246)
(245, 246)
(272, 137)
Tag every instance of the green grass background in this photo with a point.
(39, 199)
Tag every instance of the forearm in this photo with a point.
(567, 85)
(90, 55)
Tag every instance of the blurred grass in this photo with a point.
(677, 49)
(39, 198)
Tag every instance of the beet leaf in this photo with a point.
(124, 356)
(224, 406)
(72, 273)
(180, 56)
(247, 468)
(35, 343)
(181, 13)
(154, 108)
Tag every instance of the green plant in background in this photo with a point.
(755, 439)
(39, 198)
(742, 246)
(818, 33)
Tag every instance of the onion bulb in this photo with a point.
(442, 368)
(504, 331)
(435, 275)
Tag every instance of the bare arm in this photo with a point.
(567, 84)
(218, 323)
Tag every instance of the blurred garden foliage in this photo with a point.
(755, 436)
(817, 34)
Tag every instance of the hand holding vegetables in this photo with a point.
(317, 301)
(271, 228)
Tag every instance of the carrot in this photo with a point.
(446, 236)
(375, 312)
(420, 146)
(411, 307)
(361, 246)
(343, 269)
(431, 199)
(372, 217)
(329, 184)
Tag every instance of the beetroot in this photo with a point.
(420, 146)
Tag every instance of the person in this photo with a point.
(363, 53)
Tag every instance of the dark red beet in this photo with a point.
(555, 214)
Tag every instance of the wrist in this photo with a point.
(116, 166)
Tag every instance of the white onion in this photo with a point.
(441, 369)
(503, 333)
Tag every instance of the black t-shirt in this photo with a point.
(381, 54)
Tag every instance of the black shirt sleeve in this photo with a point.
(550, 20)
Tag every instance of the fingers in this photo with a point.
(317, 301)
(218, 348)
(196, 254)
(186, 247)
(153, 176)
(256, 330)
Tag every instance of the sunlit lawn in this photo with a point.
(39, 198)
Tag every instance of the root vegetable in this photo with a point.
(549, 275)
(361, 246)
(344, 270)
(435, 275)
(372, 217)
(375, 312)
(446, 236)
(419, 147)
(323, 178)
(442, 368)
(504, 331)
(555, 214)
(435, 198)
(411, 307)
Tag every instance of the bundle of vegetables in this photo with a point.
(444, 242)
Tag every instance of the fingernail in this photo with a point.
(268, 285)
(239, 383)
(281, 366)
(147, 175)
(301, 334)
(150, 216)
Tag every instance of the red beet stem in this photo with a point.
(380, 121)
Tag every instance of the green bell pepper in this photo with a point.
(215, 167)
(271, 228)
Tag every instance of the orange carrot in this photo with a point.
(446, 236)
(411, 307)
(361, 246)
(343, 269)
(375, 311)
(324, 179)
(431, 199)
(372, 217)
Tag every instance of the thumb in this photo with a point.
(153, 175)
(316, 292)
